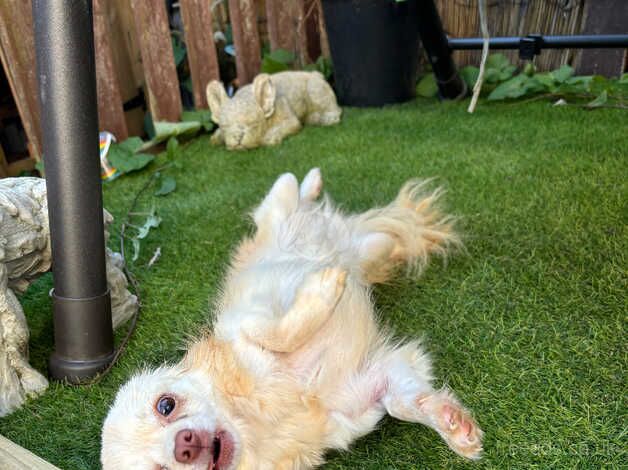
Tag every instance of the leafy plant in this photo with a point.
(427, 86)
(281, 60)
(125, 156)
(277, 61)
(168, 184)
(501, 83)
(322, 65)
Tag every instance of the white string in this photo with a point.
(478, 84)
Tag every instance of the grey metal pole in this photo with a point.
(450, 84)
(64, 44)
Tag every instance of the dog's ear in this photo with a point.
(216, 97)
(265, 93)
(216, 358)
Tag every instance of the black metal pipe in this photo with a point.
(435, 43)
(64, 44)
(601, 41)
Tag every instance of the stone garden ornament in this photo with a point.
(271, 108)
(25, 255)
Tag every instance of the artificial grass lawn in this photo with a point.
(528, 327)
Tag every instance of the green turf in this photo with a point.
(528, 327)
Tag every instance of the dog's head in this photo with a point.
(174, 418)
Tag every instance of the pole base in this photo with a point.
(83, 337)
(76, 372)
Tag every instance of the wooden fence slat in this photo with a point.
(313, 10)
(245, 39)
(17, 52)
(4, 170)
(199, 40)
(281, 20)
(110, 110)
(162, 83)
(608, 62)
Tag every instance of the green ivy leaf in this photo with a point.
(623, 80)
(123, 158)
(168, 185)
(132, 144)
(178, 50)
(507, 72)
(515, 88)
(601, 100)
(470, 75)
(165, 130)
(282, 56)
(204, 116)
(427, 87)
(563, 73)
(491, 75)
(272, 66)
(546, 80)
(497, 62)
(576, 85)
(172, 148)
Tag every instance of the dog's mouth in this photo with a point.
(222, 449)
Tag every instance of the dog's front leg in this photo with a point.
(313, 304)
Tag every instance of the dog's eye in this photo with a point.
(165, 405)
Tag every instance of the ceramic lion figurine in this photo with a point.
(24, 255)
(271, 108)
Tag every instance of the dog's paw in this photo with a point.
(458, 428)
(326, 286)
(312, 185)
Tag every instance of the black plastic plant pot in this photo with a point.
(375, 50)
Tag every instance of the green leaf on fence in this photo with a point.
(497, 61)
(168, 185)
(563, 73)
(576, 85)
(507, 72)
(282, 56)
(491, 75)
(172, 148)
(132, 144)
(601, 100)
(470, 75)
(178, 50)
(204, 116)
(427, 87)
(546, 80)
(165, 130)
(124, 157)
(515, 88)
(272, 66)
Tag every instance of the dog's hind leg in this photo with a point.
(313, 304)
(311, 186)
(410, 396)
(280, 202)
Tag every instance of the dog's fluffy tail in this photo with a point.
(406, 233)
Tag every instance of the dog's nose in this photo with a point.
(187, 446)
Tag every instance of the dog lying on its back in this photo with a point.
(296, 363)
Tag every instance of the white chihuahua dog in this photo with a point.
(296, 363)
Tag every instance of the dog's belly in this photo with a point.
(340, 349)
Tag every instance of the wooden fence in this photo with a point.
(134, 52)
